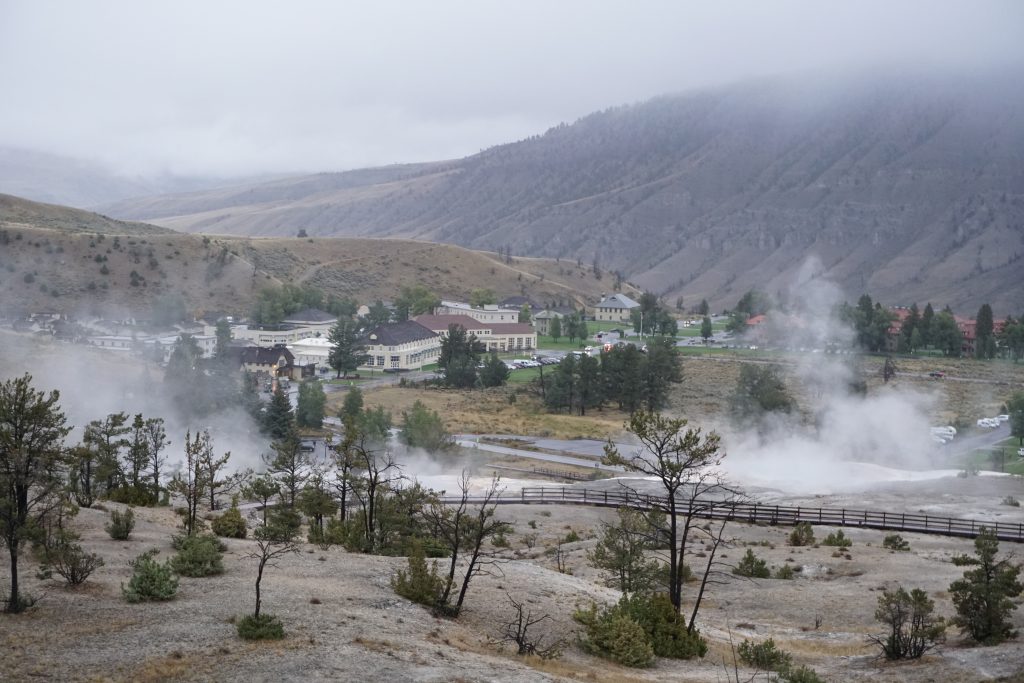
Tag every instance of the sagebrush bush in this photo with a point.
(419, 583)
(199, 556)
(895, 542)
(151, 580)
(121, 524)
(801, 674)
(666, 630)
(751, 565)
(638, 628)
(230, 525)
(764, 655)
(615, 636)
(785, 572)
(803, 534)
(131, 495)
(263, 627)
(837, 540)
(67, 558)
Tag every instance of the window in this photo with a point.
(395, 362)
(380, 361)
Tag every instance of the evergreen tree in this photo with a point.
(494, 373)
(347, 349)
(524, 314)
(984, 334)
(352, 406)
(423, 428)
(32, 431)
(982, 596)
(703, 309)
(310, 409)
(413, 301)
(927, 319)
(377, 315)
(945, 335)
(460, 355)
(279, 421)
(705, 328)
(555, 329)
(760, 390)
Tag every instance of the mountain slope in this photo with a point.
(909, 188)
(53, 258)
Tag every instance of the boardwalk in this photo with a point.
(757, 513)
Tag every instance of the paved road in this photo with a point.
(472, 441)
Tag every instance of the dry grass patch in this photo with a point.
(489, 412)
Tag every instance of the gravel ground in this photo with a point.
(345, 623)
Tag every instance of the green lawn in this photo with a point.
(983, 458)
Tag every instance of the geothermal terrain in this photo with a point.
(344, 622)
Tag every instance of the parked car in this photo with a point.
(936, 374)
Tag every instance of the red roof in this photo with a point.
(756, 320)
(440, 323)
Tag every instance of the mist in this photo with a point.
(854, 441)
(94, 383)
(242, 88)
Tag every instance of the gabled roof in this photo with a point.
(310, 315)
(617, 301)
(518, 301)
(438, 323)
(394, 334)
(257, 355)
(547, 314)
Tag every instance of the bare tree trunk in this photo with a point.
(14, 604)
(259, 578)
(715, 542)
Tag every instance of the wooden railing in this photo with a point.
(759, 513)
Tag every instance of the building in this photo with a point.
(312, 351)
(401, 346)
(500, 337)
(542, 320)
(485, 314)
(274, 362)
(616, 308)
(313, 319)
(517, 302)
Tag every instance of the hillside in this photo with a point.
(909, 188)
(16, 212)
(59, 259)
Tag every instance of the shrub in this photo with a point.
(838, 540)
(913, 629)
(499, 540)
(895, 542)
(785, 572)
(65, 557)
(263, 627)
(615, 636)
(571, 537)
(230, 525)
(665, 629)
(150, 580)
(982, 596)
(131, 495)
(801, 674)
(764, 655)
(199, 556)
(1011, 501)
(752, 566)
(803, 534)
(121, 524)
(418, 583)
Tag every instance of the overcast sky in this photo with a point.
(247, 87)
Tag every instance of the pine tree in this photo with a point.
(347, 350)
(279, 421)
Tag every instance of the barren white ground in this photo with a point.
(345, 623)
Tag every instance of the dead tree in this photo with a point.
(517, 630)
